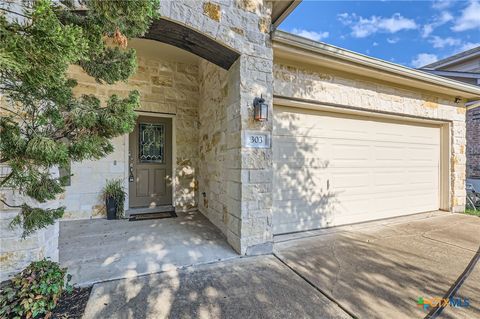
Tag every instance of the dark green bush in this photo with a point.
(34, 292)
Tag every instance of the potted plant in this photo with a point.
(114, 195)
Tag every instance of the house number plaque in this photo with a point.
(257, 139)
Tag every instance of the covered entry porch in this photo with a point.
(98, 250)
(174, 160)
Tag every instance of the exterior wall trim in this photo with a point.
(300, 49)
(445, 187)
(340, 108)
(174, 153)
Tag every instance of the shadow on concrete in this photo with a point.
(381, 272)
(98, 250)
(252, 287)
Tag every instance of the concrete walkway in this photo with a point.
(372, 270)
(380, 269)
(99, 250)
(251, 287)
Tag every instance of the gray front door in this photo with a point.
(150, 166)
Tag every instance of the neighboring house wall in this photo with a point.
(165, 87)
(473, 142)
(329, 86)
(471, 65)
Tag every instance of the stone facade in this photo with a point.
(242, 25)
(213, 145)
(211, 110)
(473, 142)
(329, 86)
(16, 253)
(169, 87)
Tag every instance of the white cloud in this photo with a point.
(393, 40)
(423, 59)
(375, 44)
(441, 4)
(440, 20)
(468, 46)
(470, 18)
(440, 43)
(363, 27)
(426, 30)
(313, 35)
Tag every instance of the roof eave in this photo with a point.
(454, 59)
(294, 47)
(278, 18)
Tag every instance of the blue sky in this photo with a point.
(412, 33)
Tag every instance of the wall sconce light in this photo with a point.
(260, 109)
(458, 100)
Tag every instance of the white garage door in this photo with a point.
(332, 169)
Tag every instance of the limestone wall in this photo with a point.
(17, 253)
(328, 86)
(242, 208)
(243, 25)
(165, 87)
(212, 174)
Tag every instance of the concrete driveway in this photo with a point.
(372, 270)
(380, 269)
(251, 287)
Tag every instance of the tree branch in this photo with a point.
(13, 12)
(11, 206)
(5, 180)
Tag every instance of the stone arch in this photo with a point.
(185, 38)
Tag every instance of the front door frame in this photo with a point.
(174, 154)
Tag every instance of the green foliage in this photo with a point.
(130, 19)
(43, 124)
(112, 65)
(114, 189)
(471, 211)
(33, 218)
(35, 291)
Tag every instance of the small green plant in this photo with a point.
(35, 291)
(114, 189)
(471, 211)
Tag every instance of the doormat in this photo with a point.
(147, 216)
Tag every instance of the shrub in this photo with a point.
(35, 291)
(114, 189)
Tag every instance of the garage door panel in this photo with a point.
(350, 179)
(301, 216)
(344, 169)
(389, 178)
(350, 152)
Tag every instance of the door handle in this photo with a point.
(131, 178)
